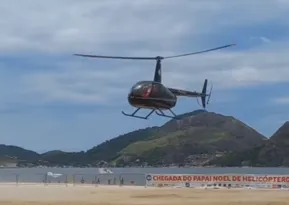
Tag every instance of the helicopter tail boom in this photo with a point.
(203, 94)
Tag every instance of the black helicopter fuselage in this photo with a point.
(151, 95)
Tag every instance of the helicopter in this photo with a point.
(152, 94)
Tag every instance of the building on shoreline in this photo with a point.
(8, 162)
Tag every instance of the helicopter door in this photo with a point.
(156, 91)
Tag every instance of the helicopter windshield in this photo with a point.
(142, 88)
(140, 84)
(150, 89)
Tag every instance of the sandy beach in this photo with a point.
(109, 195)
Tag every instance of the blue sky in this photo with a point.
(50, 99)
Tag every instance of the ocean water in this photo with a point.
(130, 176)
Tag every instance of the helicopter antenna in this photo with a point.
(158, 73)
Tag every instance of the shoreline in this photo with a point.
(104, 186)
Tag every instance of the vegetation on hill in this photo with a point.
(271, 153)
(282, 134)
(196, 133)
(111, 149)
(197, 138)
(18, 152)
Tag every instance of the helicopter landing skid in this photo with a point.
(140, 117)
(161, 113)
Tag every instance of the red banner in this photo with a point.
(218, 178)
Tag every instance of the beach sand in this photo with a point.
(109, 195)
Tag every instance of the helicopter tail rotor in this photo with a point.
(204, 94)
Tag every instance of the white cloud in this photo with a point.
(91, 25)
(265, 40)
(74, 86)
(146, 27)
(281, 100)
(262, 39)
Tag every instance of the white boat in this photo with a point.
(54, 175)
(104, 171)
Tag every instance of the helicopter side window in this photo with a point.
(147, 90)
(163, 91)
(144, 89)
(154, 90)
(157, 90)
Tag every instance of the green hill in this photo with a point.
(196, 133)
(111, 149)
(197, 138)
(271, 153)
(282, 134)
(18, 152)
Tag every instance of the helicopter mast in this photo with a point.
(158, 71)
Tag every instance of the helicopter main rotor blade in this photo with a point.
(204, 51)
(117, 57)
(153, 58)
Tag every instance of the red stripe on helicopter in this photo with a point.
(147, 92)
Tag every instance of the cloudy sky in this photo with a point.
(50, 99)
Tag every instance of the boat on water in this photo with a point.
(104, 171)
(54, 175)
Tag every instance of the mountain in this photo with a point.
(276, 151)
(272, 153)
(196, 136)
(198, 132)
(64, 158)
(52, 153)
(195, 133)
(111, 149)
(18, 152)
(282, 134)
